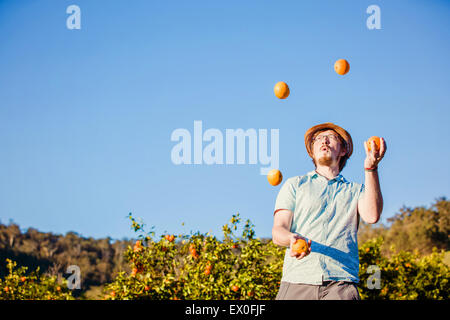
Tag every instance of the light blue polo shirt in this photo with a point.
(325, 211)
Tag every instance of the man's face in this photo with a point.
(327, 148)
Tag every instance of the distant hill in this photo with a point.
(99, 259)
(419, 228)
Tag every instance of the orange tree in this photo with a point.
(404, 275)
(200, 266)
(17, 285)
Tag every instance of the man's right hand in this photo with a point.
(293, 239)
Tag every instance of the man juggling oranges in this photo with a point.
(316, 217)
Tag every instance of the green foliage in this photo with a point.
(419, 229)
(34, 286)
(201, 267)
(404, 275)
(98, 259)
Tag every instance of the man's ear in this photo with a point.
(343, 150)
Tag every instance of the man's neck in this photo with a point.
(327, 172)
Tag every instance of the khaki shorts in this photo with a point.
(329, 290)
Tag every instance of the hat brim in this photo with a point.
(328, 126)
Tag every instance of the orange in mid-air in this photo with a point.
(300, 246)
(377, 143)
(341, 66)
(281, 90)
(274, 177)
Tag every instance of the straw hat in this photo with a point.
(328, 126)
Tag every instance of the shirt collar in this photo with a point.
(314, 174)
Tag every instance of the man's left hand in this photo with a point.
(374, 156)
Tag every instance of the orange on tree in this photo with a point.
(274, 177)
(341, 66)
(170, 237)
(300, 246)
(281, 90)
(137, 246)
(377, 141)
(208, 269)
(194, 253)
(235, 288)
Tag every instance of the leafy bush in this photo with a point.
(17, 285)
(200, 267)
(404, 275)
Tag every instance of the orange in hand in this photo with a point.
(341, 66)
(274, 177)
(377, 141)
(300, 246)
(281, 90)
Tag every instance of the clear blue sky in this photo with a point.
(86, 115)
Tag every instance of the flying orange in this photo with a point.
(274, 177)
(281, 90)
(341, 66)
